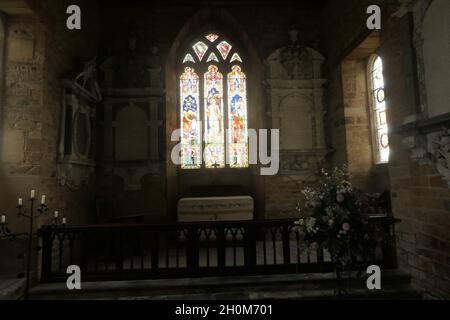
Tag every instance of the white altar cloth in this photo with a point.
(215, 208)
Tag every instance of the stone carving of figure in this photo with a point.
(442, 153)
(87, 80)
(296, 59)
(154, 65)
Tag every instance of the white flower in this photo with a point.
(340, 198)
(346, 226)
(310, 224)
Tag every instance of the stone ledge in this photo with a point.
(253, 287)
(11, 288)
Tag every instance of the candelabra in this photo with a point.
(56, 221)
(31, 215)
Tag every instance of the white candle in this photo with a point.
(3, 219)
(63, 220)
(32, 194)
(20, 201)
(43, 199)
(56, 214)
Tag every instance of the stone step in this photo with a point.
(291, 286)
(11, 287)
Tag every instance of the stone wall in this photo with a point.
(349, 45)
(420, 196)
(38, 51)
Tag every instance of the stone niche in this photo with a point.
(132, 114)
(131, 133)
(295, 89)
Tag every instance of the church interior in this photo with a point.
(94, 106)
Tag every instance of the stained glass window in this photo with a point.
(190, 120)
(237, 118)
(224, 49)
(200, 49)
(214, 128)
(378, 105)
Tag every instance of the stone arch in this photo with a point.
(221, 21)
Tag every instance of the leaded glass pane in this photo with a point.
(212, 57)
(200, 49)
(224, 49)
(188, 58)
(190, 120)
(214, 131)
(235, 57)
(211, 37)
(237, 118)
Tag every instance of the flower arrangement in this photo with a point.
(334, 218)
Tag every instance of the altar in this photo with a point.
(231, 208)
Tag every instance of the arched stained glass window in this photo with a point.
(378, 109)
(213, 105)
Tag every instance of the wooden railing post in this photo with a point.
(84, 252)
(47, 254)
(250, 248)
(286, 245)
(154, 250)
(193, 252)
(221, 243)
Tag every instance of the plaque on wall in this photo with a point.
(76, 143)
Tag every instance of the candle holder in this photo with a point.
(56, 221)
(31, 215)
(5, 232)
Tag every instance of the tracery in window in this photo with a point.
(213, 98)
(212, 57)
(188, 58)
(200, 49)
(224, 49)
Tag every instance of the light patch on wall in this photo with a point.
(12, 146)
(21, 49)
(436, 50)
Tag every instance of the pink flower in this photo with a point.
(346, 226)
(340, 198)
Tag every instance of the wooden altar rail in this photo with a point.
(120, 252)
